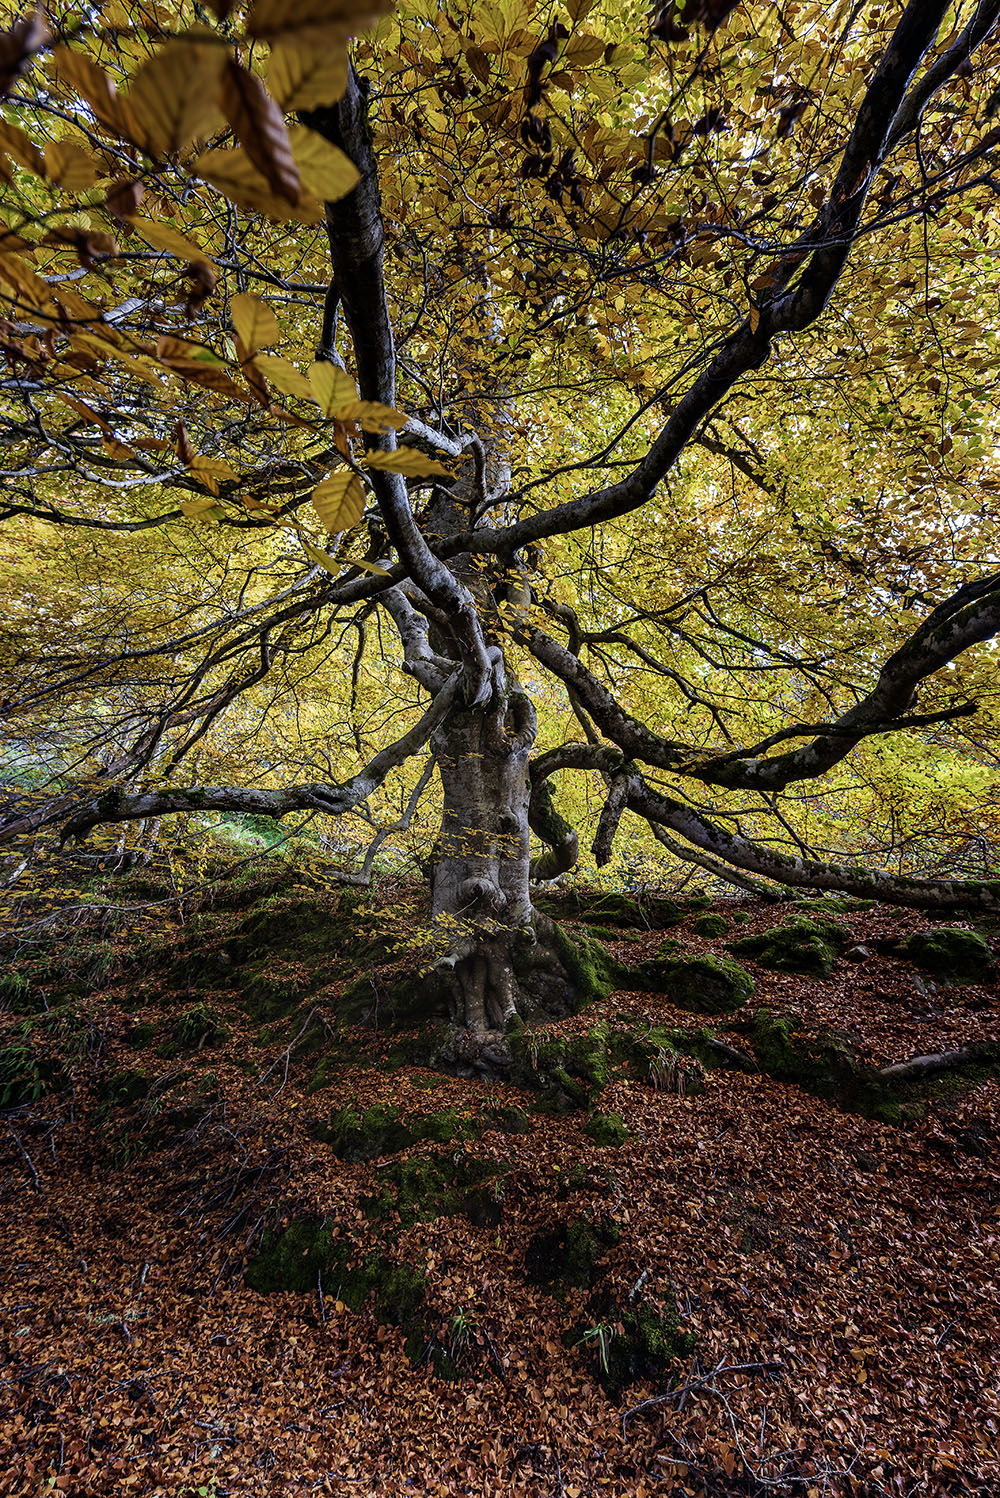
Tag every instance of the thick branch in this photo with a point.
(809, 873)
(333, 800)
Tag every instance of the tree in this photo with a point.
(692, 341)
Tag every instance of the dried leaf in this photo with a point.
(260, 127)
(18, 46)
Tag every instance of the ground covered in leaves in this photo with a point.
(695, 1279)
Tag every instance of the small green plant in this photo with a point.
(598, 1336)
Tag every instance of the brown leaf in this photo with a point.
(123, 198)
(260, 127)
(19, 45)
(182, 444)
(203, 282)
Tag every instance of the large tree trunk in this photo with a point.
(505, 960)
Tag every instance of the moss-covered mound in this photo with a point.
(606, 1129)
(648, 913)
(830, 1064)
(306, 1256)
(803, 946)
(382, 1130)
(952, 955)
(441, 1184)
(571, 1071)
(706, 985)
(710, 924)
(818, 1058)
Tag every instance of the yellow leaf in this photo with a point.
(322, 558)
(234, 174)
(69, 167)
(283, 375)
(332, 388)
(754, 317)
(208, 471)
(173, 96)
(308, 68)
(407, 460)
(271, 18)
(339, 501)
(324, 169)
(15, 144)
(165, 237)
(372, 416)
(372, 567)
(254, 321)
(201, 509)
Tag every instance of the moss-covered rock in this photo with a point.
(600, 908)
(572, 1069)
(567, 1255)
(818, 1058)
(382, 1130)
(803, 946)
(442, 1184)
(606, 1129)
(706, 985)
(710, 925)
(952, 955)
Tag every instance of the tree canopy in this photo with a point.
(514, 389)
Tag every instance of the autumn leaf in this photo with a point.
(235, 175)
(325, 170)
(260, 127)
(408, 461)
(173, 95)
(254, 322)
(332, 388)
(19, 44)
(339, 501)
(283, 376)
(307, 69)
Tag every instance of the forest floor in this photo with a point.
(835, 1276)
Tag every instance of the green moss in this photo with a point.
(626, 1344)
(707, 985)
(436, 1185)
(382, 1131)
(652, 913)
(567, 1255)
(818, 1058)
(196, 1028)
(710, 925)
(606, 1129)
(572, 1068)
(952, 955)
(509, 1119)
(803, 946)
(833, 904)
(306, 1256)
